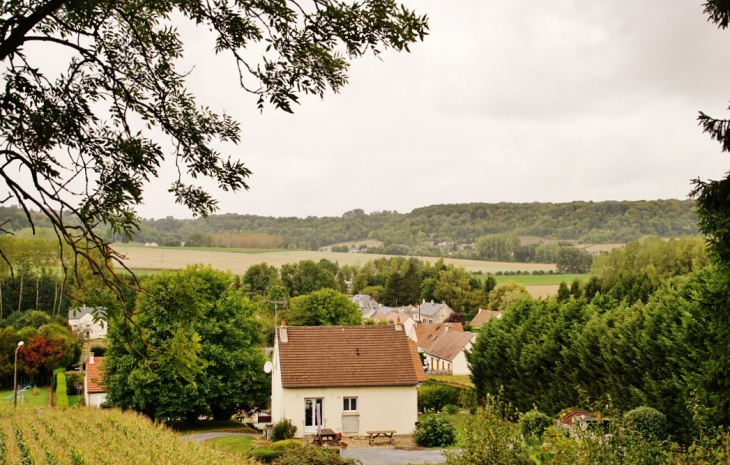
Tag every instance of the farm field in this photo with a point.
(368, 242)
(537, 279)
(164, 258)
(91, 436)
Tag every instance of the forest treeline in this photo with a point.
(415, 233)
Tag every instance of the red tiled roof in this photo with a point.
(483, 317)
(428, 333)
(329, 356)
(94, 376)
(567, 417)
(449, 345)
(421, 375)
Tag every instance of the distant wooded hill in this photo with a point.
(588, 222)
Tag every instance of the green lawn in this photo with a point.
(464, 380)
(537, 279)
(235, 444)
(207, 426)
(41, 400)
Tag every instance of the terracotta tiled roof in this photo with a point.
(483, 317)
(329, 356)
(449, 345)
(428, 333)
(567, 417)
(421, 375)
(94, 376)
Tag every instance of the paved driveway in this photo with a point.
(391, 456)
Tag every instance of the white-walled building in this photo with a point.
(351, 379)
(94, 390)
(82, 323)
(446, 353)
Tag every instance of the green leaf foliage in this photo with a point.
(216, 345)
(648, 422)
(326, 307)
(435, 431)
(534, 423)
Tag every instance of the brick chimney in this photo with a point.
(283, 333)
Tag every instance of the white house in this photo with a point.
(351, 379)
(446, 353)
(82, 323)
(430, 312)
(94, 390)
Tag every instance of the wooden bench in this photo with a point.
(326, 436)
(384, 434)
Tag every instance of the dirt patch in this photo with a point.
(542, 290)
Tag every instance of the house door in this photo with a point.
(313, 415)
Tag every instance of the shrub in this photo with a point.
(314, 456)
(435, 431)
(98, 351)
(36, 391)
(498, 273)
(61, 396)
(74, 378)
(264, 454)
(450, 409)
(650, 423)
(283, 430)
(286, 444)
(433, 397)
(534, 423)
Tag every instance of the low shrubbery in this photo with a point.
(490, 439)
(648, 422)
(450, 409)
(534, 423)
(286, 445)
(435, 431)
(314, 456)
(283, 430)
(265, 454)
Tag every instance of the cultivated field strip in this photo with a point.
(86, 436)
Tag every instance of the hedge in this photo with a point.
(61, 395)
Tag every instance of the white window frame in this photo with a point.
(347, 404)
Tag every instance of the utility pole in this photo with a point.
(15, 376)
(276, 303)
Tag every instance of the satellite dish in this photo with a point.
(267, 367)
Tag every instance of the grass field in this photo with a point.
(233, 444)
(538, 279)
(464, 380)
(41, 400)
(209, 426)
(166, 258)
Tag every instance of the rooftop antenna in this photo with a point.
(276, 303)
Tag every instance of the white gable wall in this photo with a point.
(378, 408)
(459, 366)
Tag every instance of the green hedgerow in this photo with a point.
(648, 422)
(435, 431)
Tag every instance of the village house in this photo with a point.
(446, 353)
(82, 323)
(427, 333)
(409, 326)
(94, 390)
(484, 316)
(430, 312)
(351, 379)
(366, 303)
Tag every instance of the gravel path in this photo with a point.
(390, 456)
(200, 437)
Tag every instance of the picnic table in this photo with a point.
(383, 433)
(326, 436)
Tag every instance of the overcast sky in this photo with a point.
(517, 101)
